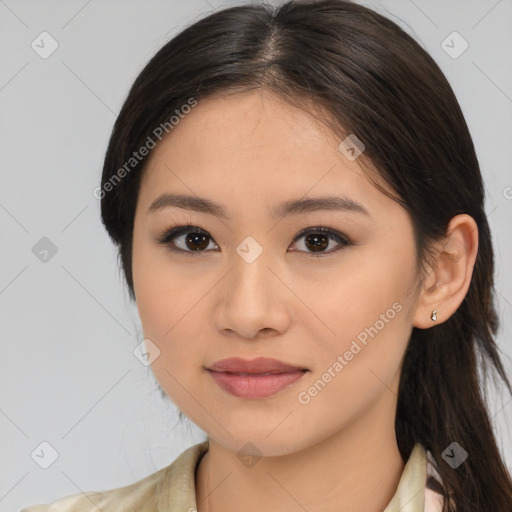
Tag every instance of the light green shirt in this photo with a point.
(172, 489)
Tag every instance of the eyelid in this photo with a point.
(332, 234)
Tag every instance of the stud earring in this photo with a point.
(433, 315)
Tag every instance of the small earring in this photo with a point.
(433, 315)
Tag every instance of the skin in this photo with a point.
(250, 152)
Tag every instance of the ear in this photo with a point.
(447, 283)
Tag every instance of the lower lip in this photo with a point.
(255, 386)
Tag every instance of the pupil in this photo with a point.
(197, 238)
(319, 242)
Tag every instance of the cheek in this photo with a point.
(165, 312)
(165, 322)
(158, 288)
(367, 290)
(360, 365)
(168, 303)
(369, 312)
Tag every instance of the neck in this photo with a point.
(357, 468)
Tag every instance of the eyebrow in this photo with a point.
(292, 207)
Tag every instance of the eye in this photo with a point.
(318, 239)
(195, 240)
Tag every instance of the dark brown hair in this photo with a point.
(376, 82)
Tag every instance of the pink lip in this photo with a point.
(256, 378)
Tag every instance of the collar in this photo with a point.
(179, 495)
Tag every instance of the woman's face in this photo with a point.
(337, 304)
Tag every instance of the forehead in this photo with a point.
(252, 146)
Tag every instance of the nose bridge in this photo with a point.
(251, 274)
(251, 299)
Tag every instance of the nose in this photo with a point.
(253, 302)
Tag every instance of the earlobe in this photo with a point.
(446, 285)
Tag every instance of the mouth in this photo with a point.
(253, 379)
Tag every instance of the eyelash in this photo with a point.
(170, 234)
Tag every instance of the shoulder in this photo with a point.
(151, 494)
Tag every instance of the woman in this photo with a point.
(299, 213)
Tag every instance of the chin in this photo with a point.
(258, 443)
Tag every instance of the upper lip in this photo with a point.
(257, 365)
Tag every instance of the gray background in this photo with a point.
(68, 375)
